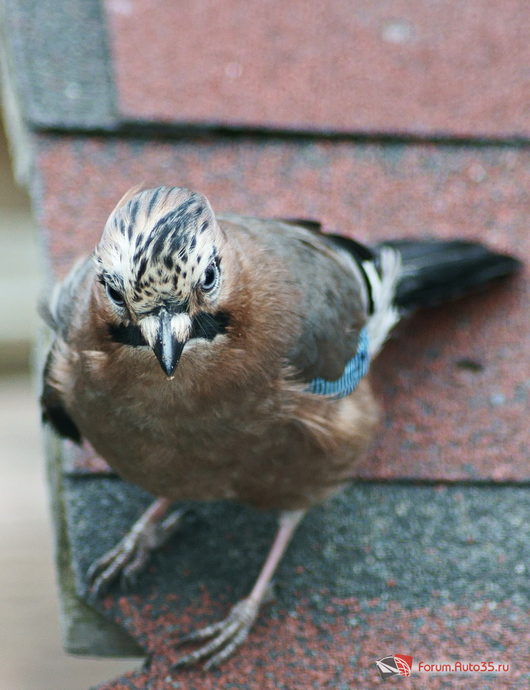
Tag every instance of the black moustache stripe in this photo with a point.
(126, 335)
(209, 325)
(204, 325)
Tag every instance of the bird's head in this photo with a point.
(159, 265)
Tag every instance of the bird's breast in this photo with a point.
(195, 438)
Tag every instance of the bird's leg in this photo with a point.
(130, 555)
(229, 633)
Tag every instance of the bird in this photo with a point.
(217, 357)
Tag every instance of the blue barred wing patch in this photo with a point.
(354, 371)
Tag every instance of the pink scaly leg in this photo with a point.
(229, 633)
(132, 553)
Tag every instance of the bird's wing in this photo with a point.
(59, 313)
(59, 310)
(335, 303)
(381, 270)
(328, 293)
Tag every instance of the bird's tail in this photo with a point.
(435, 271)
(404, 275)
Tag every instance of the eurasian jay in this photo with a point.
(225, 357)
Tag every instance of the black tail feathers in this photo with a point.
(435, 271)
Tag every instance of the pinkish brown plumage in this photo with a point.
(186, 346)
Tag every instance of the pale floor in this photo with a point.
(31, 657)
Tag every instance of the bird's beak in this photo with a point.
(167, 348)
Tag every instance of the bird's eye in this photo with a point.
(115, 296)
(211, 277)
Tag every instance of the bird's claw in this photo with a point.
(226, 636)
(130, 555)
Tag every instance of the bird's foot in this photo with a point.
(130, 555)
(226, 636)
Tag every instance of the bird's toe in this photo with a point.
(129, 557)
(226, 636)
(107, 568)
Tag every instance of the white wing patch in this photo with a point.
(383, 288)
